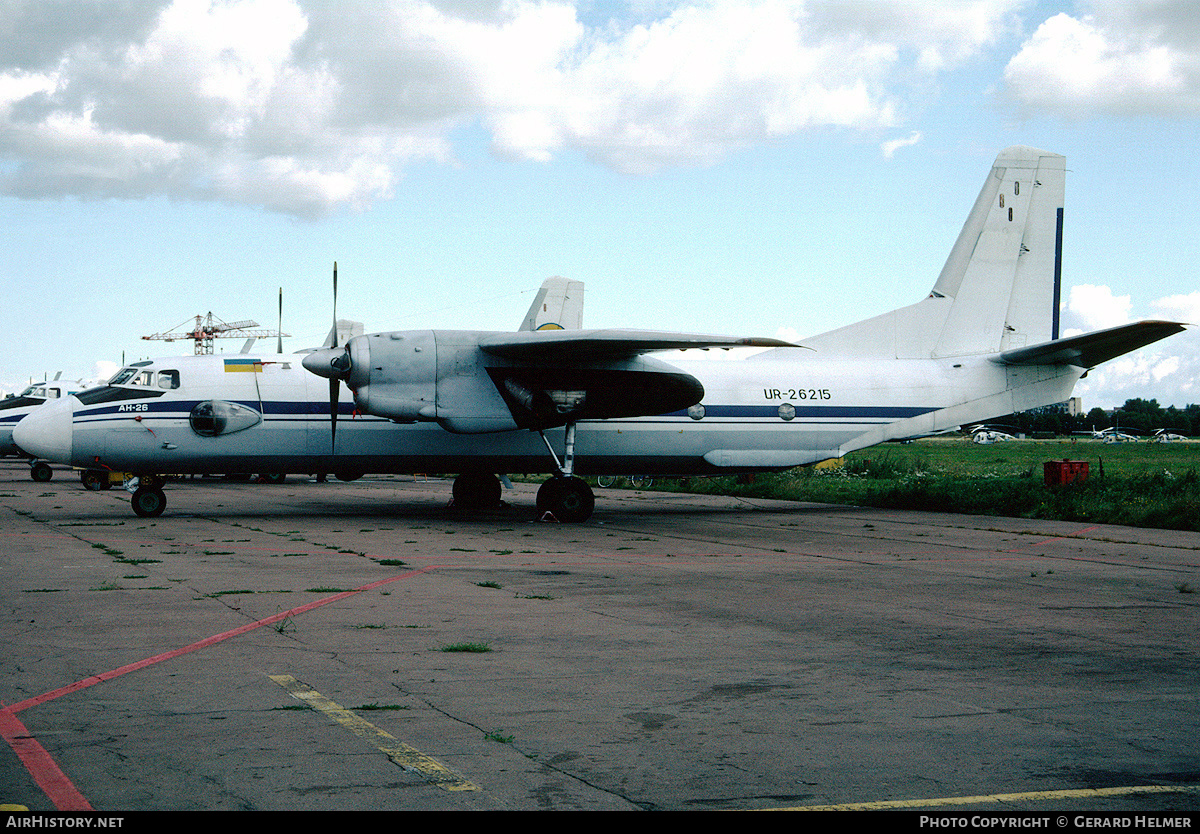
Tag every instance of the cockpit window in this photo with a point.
(123, 376)
(146, 378)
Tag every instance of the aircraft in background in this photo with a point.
(1118, 436)
(1112, 434)
(15, 407)
(1166, 436)
(986, 435)
(984, 342)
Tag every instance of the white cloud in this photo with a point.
(1094, 307)
(303, 106)
(1168, 371)
(890, 148)
(1181, 308)
(1126, 58)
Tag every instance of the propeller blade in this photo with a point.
(279, 345)
(333, 380)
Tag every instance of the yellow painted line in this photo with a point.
(1081, 793)
(409, 758)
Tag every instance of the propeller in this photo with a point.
(279, 344)
(332, 363)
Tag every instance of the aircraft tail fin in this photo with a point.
(345, 330)
(999, 289)
(558, 305)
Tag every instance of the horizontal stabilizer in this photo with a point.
(583, 345)
(1090, 349)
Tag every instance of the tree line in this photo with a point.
(1138, 415)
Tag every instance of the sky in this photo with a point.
(753, 168)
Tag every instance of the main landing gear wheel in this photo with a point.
(476, 491)
(94, 479)
(567, 498)
(149, 502)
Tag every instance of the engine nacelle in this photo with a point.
(416, 375)
(394, 375)
(446, 376)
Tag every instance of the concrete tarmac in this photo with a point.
(307, 646)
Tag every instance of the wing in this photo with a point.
(602, 345)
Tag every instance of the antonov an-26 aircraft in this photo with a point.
(983, 343)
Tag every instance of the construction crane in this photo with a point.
(207, 328)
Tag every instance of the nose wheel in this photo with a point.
(148, 499)
(566, 497)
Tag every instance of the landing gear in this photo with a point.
(148, 500)
(566, 497)
(40, 471)
(94, 479)
(476, 492)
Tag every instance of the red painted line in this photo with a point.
(39, 763)
(45, 772)
(1076, 534)
(201, 644)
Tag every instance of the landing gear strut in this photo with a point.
(566, 497)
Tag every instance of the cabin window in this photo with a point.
(213, 418)
(1001, 201)
(168, 380)
(696, 412)
(787, 411)
(1016, 187)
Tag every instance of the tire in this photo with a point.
(149, 503)
(41, 472)
(605, 481)
(570, 500)
(476, 492)
(93, 479)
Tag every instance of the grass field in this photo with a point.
(1137, 484)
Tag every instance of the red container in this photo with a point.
(1064, 471)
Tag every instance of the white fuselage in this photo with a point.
(774, 410)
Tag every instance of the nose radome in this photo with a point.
(45, 432)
